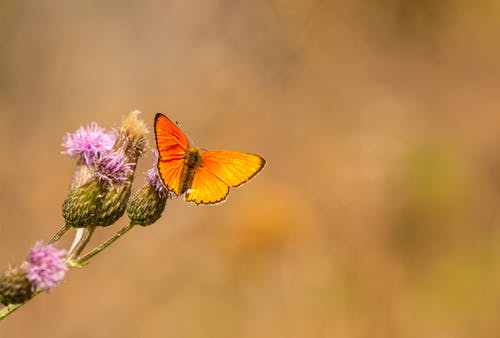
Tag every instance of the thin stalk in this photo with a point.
(7, 310)
(57, 236)
(85, 258)
(82, 237)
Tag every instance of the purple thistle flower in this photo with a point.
(113, 167)
(88, 142)
(154, 179)
(46, 267)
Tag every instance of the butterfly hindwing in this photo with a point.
(232, 167)
(206, 188)
(171, 174)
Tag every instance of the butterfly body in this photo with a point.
(192, 162)
(204, 177)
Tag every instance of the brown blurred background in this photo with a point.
(377, 214)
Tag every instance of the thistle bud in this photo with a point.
(113, 204)
(80, 207)
(147, 204)
(15, 287)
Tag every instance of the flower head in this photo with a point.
(113, 167)
(88, 142)
(46, 267)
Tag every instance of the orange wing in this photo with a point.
(171, 174)
(206, 188)
(220, 170)
(170, 140)
(172, 145)
(232, 167)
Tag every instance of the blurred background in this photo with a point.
(377, 214)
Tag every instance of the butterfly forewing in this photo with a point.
(172, 146)
(170, 140)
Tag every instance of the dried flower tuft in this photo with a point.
(133, 125)
(131, 137)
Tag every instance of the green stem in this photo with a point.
(7, 310)
(85, 258)
(57, 236)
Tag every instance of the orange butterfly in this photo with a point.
(204, 177)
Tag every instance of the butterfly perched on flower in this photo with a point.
(204, 177)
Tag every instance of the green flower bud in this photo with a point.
(79, 209)
(146, 206)
(15, 287)
(113, 204)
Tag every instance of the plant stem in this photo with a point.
(85, 258)
(82, 237)
(57, 236)
(7, 310)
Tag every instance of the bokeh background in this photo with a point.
(377, 214)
